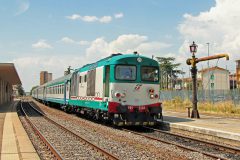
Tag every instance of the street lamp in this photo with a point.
(193, 62)
(193, 50)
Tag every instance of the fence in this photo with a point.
(203, 95)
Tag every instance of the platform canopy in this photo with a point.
(9, 73)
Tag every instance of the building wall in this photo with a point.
(45, 77)
(5, 92)
(216, 80)
(49, 77)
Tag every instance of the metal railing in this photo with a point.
(203, 95)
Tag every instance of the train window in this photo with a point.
(125, 72)
(149, 74)
(85, 78)
(80, 79)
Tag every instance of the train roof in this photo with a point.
(119, 59)
(58, 80)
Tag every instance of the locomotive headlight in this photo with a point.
(117, 94)
(156, 96)
(151, 96)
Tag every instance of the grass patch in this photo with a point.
(225, 108)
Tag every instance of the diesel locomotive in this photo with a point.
(121, 88)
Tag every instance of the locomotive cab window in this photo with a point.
(149, 74)
(125, 72)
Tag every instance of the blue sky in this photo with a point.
(50, 35)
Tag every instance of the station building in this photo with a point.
(215, 78)
(8, 78)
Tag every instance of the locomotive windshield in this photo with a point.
(125, 72)
(149, 74)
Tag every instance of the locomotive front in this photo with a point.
(134, 88)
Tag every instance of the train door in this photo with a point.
(74, 85)
(91, 79)
(44, 93)
(66, 91)
(107, 80)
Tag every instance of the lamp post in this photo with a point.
(193, 50)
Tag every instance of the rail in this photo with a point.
(178, 145)
(40, 135)
(96, 148)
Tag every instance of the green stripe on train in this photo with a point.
(89, 104)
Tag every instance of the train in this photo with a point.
(122, 89)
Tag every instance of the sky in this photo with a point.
(52, 35)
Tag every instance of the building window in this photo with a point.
(212, 85)
(212, 77)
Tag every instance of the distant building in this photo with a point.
(15, 90)
(49, 77)
(215, 78)
(45, 77)
(186, 84)
(238, 73)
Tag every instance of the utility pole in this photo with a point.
(208, 74)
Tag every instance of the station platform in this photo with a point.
(217, 128)
(14, 141)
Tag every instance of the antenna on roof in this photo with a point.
(136, 53)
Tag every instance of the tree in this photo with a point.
(20, 90)
(33, 89)
(168, 71)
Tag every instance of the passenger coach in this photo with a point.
(123, 89)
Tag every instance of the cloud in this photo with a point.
(23, 6)
(97, 49)
(41, 44)
(118, 15)
(219, 26)
(127, 43)
(30, 76)
(74, 17)
(68, 40)
(103, 19)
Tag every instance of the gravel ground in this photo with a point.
(193, 144)
(69, 146)
(120, 143)
(40, 147)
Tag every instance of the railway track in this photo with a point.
(63, 143)
(216, 151)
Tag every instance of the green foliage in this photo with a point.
(21, 91)
(168, 71)
(33, 89)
